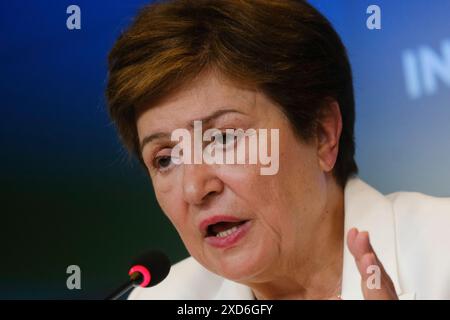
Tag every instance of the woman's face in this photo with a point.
(281, 210)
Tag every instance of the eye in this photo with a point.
(163, 161)
(225, 139)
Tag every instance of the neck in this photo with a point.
(317, 271)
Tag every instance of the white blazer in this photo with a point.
(410, 233)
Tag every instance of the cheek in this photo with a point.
(170, 199)
(262, 197)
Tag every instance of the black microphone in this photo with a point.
(146, 271)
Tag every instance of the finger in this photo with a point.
(375, 282)
(357, 244)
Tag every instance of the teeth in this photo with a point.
(226, 232)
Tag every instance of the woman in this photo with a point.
(294, 234)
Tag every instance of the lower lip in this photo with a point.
(231, 239)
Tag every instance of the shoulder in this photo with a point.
(187, 280)
(421, 212)
(421, 219)
(422, 225)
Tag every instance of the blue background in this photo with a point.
(69, 195)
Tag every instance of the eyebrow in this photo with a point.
(206, 120)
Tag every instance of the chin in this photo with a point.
(243, 266)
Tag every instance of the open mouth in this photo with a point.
(223, 229)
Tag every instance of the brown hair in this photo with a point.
(287, 49)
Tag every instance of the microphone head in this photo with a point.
(156, 263)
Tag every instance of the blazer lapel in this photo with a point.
(369, 210)
(365, 209)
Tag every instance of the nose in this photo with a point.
(200, 183)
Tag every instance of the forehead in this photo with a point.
(205, 95)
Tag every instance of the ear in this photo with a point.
(329, 131)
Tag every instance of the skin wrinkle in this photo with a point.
(296, 214)
(296, 238)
